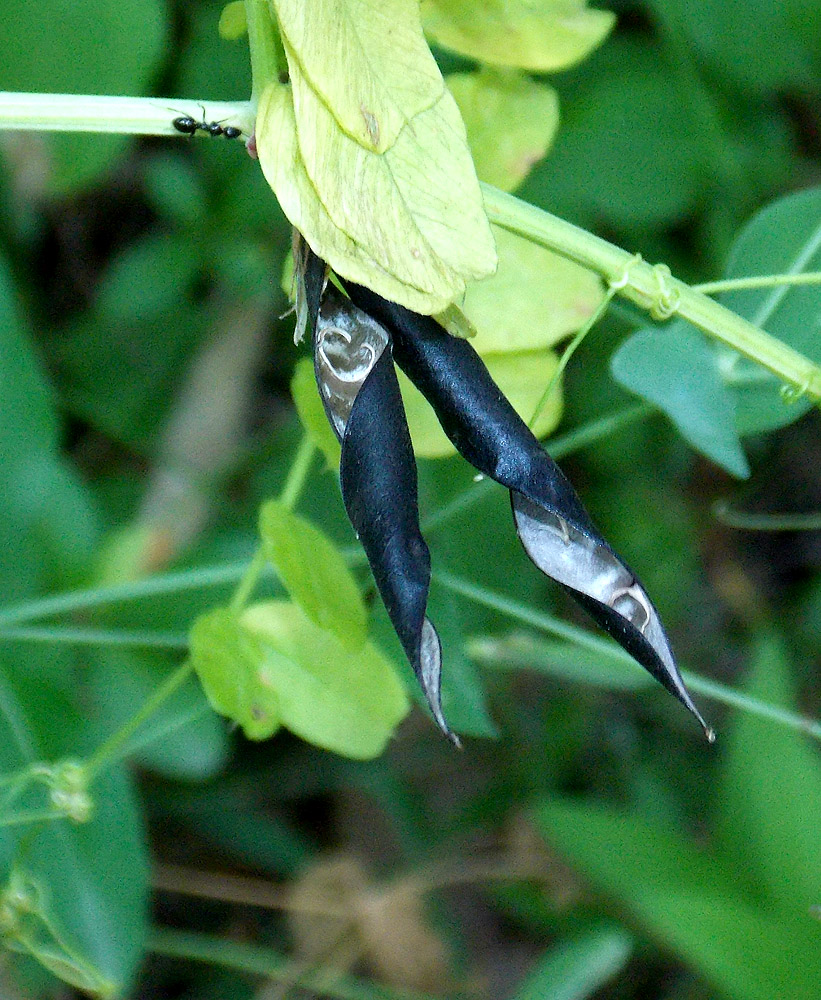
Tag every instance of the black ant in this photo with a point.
(189, 126)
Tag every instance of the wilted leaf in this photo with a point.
(348, 702)
(539, 35)
(510, 120)
(368, 62)
(535, 298)
(522, 376)
(385, 925)
(285, 172)
(416, 209)
(314, 573)
(675, 369)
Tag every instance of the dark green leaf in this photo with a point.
(87, 883)
(87, 47)
(675, 369)
(183, 739)
(579, 967)
(694, 903)
(148, 276)
(768, 46)
(770, 795)
(783, 238)
(649, 169)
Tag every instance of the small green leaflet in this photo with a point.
(534, 300)
(314, 573)
(511, 122)
(675, 369)
(783, 238)
(228, 663)
(272, 666)
(537, 35)
(712, 394)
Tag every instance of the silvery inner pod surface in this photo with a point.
(358, 385)
(553, 526)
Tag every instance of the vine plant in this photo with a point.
(399, 210)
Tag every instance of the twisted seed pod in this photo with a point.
(357, 382)
(553, 526)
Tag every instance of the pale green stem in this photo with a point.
(758, 281)
(265, 962)
(298, 473)
(150, 586)
(553, 626)
(294, 484)
(267, 58)
(653, 288)
(765, 522)
(95, 637)
(123, 115)
(250, 578)
(21, 818)
(108, 751)
(570, 350)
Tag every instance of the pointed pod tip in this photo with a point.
(683, 696)
(709, 732)
(430, 674)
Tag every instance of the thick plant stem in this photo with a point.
(122, 115)
(653, 288)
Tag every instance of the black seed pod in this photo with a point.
(553, 526)
(357, 382)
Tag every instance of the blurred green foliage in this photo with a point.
(587, 842)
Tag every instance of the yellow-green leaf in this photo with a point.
(537, 35)
(283, 168)
(233, 23)
(522, 377)
(368, 62)
(228, 661)
(535, 299)
(314, 573)
(312, 413)
(511, 121)
(417, 209)
(347, 702)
